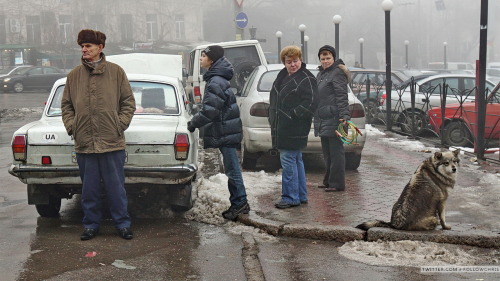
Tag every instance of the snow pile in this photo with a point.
(16, 113)
(417, 254)
(212, 195)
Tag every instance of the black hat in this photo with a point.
(91, 36)
(329, 49)
(214, 52)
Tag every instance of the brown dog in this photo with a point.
(421, 205)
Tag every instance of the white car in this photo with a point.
(162, 155)
(253, 101)
(427, 95)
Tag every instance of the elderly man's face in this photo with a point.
(91, 52)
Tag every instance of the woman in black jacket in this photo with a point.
(332, 109)
(290, 118)
(220, 119)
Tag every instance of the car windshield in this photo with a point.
(267, 79)
(150, 98)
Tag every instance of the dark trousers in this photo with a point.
(108, 167)
(334, 155)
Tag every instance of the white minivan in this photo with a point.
(244, 55)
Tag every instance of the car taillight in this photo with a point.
(382, 98)
(260, 109)
(181, 146)
(19, 147)
(356, 110)
(197, 94)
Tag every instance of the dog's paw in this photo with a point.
(445, 227)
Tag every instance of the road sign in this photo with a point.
(241, 20)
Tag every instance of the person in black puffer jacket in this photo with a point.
(332, 109)
(290, 117)
(220, 119)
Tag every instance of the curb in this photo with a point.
(477, 238)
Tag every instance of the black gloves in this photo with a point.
(191, 128)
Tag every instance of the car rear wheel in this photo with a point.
(248, 160)
(50, 210)
(352, 161)
(457, 134)
(371, 109)
(18, 87)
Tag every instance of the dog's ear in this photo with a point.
(438, 155)
(456, 153)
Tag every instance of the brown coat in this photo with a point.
(97, 107)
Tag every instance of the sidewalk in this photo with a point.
(471, 210)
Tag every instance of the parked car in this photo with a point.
(162, 155)
(372, 101)
(377, 79)
(30, 78)
(460, 121)
(427, 96)
(253, 101)
(12, 70)
(244, 55)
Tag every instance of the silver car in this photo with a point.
(253, 101)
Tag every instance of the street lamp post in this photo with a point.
(406, 53)
(302, 29)
(306, 39)
(279, 34)
(361, 41)
(336, 20)
(445, 62)
(387, 7)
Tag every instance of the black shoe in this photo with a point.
(284, 205)
(125, 233)
(331, 189)
(88, 233)
(322, 186)
(303, 201)
(234, 211)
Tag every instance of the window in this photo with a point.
(126, 28)
(65, 29)
(3, 32)
(33, 34)
(151, 27)
(180, 32)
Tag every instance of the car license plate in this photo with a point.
(73, 157)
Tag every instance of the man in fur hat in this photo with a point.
(97, 107)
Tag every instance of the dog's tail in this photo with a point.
(369, 224)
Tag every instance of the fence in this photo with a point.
(439, 109)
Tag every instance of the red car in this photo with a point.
(460, 121)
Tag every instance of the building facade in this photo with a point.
(45, 31)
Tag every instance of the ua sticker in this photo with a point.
(50, 137)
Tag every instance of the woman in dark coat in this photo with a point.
(220, 119)
(332, 109)
(290, 117)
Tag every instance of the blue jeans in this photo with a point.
(108, 167)
(293, 178)
(237, 192)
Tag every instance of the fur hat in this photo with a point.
(214, 52)
(91, 36)
(329, 49)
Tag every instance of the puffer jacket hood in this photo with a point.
(222, 67)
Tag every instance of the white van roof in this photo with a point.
(146, 63)
(228, 44)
